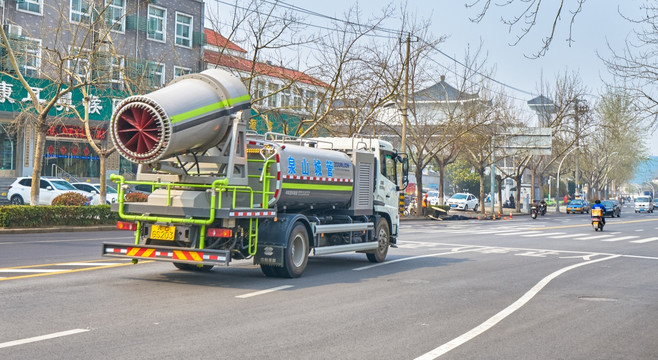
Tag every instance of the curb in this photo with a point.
(57, 229)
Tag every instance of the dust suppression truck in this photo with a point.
(222, 193)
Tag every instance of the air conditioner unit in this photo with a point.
(13, 30)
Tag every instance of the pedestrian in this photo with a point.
(424, 204)
(511, 200)
(566, 199)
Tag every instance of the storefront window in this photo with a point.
(76, 158)
(7, 149)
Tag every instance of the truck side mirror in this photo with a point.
(404, 161)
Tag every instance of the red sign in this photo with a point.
(72, 131)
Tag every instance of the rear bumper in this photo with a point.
(167, 253)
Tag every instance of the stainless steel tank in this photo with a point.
(313, 178)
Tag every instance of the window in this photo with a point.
(32, 6)
(183, 30)
(79, 65)
(297, 100)
(116, 14)
(31, 57)
(157, 23)
(7, 149)
(310, 99)
(116, 72)
(388, 167)
(260, 90)
(273, 98)
(180, 71)
(285, 97)
(80, 11)
(158, 75)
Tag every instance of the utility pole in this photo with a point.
(577, 177)
(405, 98)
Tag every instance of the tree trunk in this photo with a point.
(499, 183)
(103, 171)
(442, 173)
(518, 179)
(419, 192)
(481, 208)
(39, 144)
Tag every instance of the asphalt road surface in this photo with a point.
(550, 288)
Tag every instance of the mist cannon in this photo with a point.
(192, 113)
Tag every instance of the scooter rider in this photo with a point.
(598, 205)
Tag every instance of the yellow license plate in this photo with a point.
(162, 232)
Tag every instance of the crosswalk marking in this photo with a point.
(594, 237)
(566, 236)
(517, 233)
(542, 234)
(645, 240)
(621, 238)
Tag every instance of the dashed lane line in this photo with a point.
(42, 338)
(594, 237)
(542, 234)
(567, 236)
(262, 292)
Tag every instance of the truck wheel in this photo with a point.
(383, 238)
(192, 267)
(17, 200)
(296, 253)
(269, 270)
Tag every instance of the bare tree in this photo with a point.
(524, 16)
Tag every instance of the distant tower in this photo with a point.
(544, 107)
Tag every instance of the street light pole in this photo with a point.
(557, 186)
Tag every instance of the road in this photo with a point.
(516, 289)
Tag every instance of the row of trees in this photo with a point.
(374, 76)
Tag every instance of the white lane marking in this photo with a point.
(566, 236)
(621, 238)
(639, 229)
(594, 237)
(517, 233)
(42, 337)
(542, 234)
(31, 270)
(91, 264)
(266, 291)
(453, 251)
(645, 240)
(492, 321)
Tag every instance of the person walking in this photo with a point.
(566, 199)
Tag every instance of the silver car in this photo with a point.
(643, 204)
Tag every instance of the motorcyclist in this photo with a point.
(542, 207)
(598, 205)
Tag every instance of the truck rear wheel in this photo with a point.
(269, 270)
(296, 253)
(383, 239)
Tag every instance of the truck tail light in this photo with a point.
(221, 233)
(124, 225)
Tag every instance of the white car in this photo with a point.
(50, 188)
(463, 201)
(643, 204)
(95, 189)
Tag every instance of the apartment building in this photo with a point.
(118, 47)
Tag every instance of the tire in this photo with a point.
(17, 200)
(534, 215)
(269, 270)
(475, 208)
(192, 267)
(296, 253)
(383, 238)
(465, 207)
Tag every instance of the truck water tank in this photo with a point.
(313, 177)
(192, 113)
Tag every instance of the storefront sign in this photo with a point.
(72, 131)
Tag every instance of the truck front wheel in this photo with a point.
(296, 253)
(383, 239)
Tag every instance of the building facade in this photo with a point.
(116, 47)
(281, 97)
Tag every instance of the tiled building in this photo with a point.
(136, 46)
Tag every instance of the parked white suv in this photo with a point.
(463, 201)
(95, 189)
(433, 198)
(50, 188)
(643, 204)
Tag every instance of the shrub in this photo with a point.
(70, 199)
(46, 216)
(136, 197)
